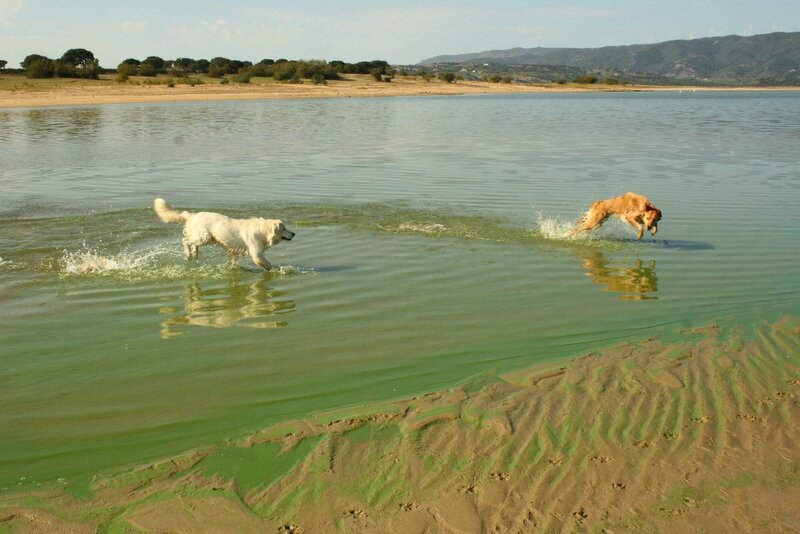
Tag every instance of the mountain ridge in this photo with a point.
(772, 57)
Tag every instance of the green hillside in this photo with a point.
(768, 59)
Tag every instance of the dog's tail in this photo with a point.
(167, 214)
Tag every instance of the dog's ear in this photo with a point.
(658, 213)
(651, 217)
(273, 232)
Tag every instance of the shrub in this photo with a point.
(262, 70)
(318, 79)
(26, 63)
(586, 79)
(242, 77)
(89, 70)
(125, 71)
(217, 70)
(284, 72)
(224, 81)
(147, 69)
(447, 77)
(40, 68)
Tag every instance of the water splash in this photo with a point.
(156, 263)
(294, 269)
(89, 260)
(431, 228)
(553, 228)
(161, 262)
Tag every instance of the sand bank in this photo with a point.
(696, 435)
(16, 91)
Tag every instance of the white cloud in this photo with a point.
(571, 12)
(9, 10)
(209, 37)
(133, 26)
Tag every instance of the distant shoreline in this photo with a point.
(19, 92)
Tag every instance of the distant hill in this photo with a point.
(767, 59)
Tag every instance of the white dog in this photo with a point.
(237, 236)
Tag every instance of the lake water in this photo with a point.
(428, 251)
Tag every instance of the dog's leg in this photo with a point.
(635, 223)
(188, 251)
(589, 222)
(233, 256)
(262, 262)
(257, 255)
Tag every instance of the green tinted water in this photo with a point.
(428, 250)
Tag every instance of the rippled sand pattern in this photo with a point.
(693, 435)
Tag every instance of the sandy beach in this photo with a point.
(695, 435)
(17, 91)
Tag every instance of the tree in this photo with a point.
(30, 59)
(78, 63)
(236, 66)
(3, 64)
(78, 57)
(147, 69)
(448, 77)
(219, 67)
(156, 62)
(201, 65)
(184, 63)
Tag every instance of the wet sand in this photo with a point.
(17, 91)
(698, 434)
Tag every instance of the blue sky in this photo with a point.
(401, 32)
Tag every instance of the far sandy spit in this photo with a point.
(17, 91)
(696, 434)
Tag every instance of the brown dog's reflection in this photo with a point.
(633, 283)
(253, 305)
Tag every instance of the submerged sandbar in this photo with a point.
(695, 434)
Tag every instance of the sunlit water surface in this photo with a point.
(430, 248)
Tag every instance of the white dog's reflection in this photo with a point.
(253, 305)
(634, 283)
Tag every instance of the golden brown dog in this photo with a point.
(630, 207)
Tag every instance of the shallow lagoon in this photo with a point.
(427, 253)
